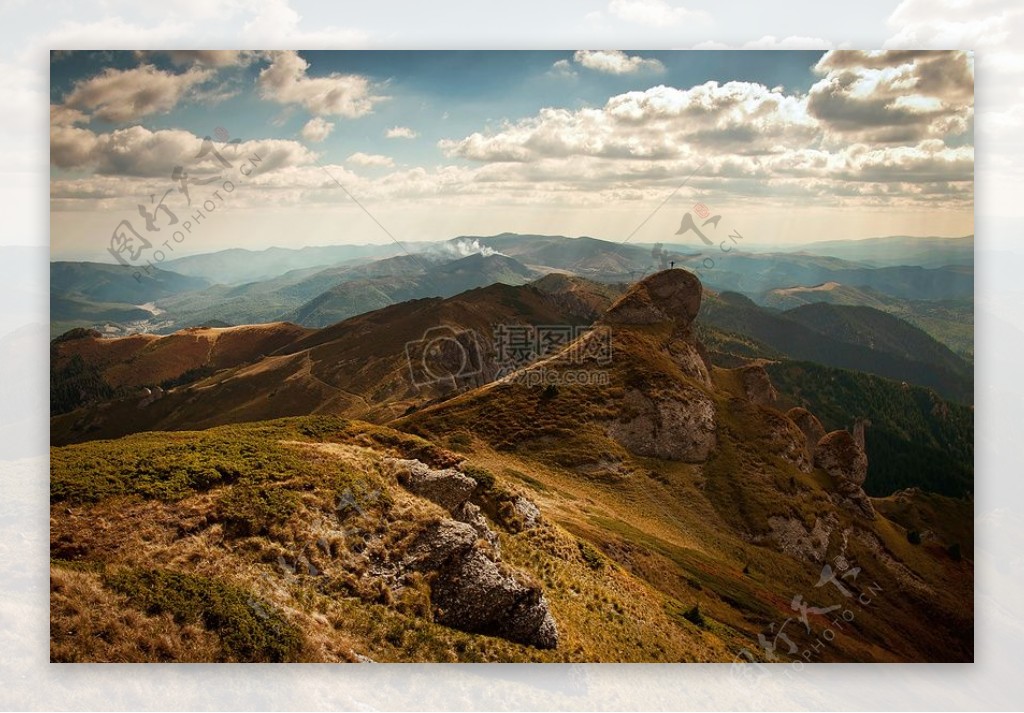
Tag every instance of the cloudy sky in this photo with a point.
(789, 146)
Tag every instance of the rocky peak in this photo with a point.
(666, 296)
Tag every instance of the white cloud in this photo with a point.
(317, 129)
(207, 58)
(894, 95)
(400, 132)
(286, 81)
(562, 68)
(138, 151)
(659, 123)
(127, 95)
(654, 13)
(615, 62)
(371, 160)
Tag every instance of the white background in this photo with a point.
(995, 29)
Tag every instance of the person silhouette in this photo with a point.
(672, 265)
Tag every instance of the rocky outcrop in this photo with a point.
(447, 487)
(810, 425)
(794, 538)
(786, 440)
(757, 385)
(838, 454)
(472, 592)
(673, 297)
(471, 514)
(678, 425)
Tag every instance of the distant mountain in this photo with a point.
(948, 321)
(848, 338)
(899, 250)
(588, 257)
(443, 279)
(783, 298)
(89, 294)
(869, 327)
(758, 273)
(98, 282)
(237, 265)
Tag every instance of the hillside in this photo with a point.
(359, 367)
(668, 512)
(88, 294)
(677, 471)
(86, 368)
(950, 322)
(238, 265)
(444, 279)
(857, 338)
(869, 327)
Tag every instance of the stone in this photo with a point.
(528, 512)
(471, 514)
(839, 455)
(677, 425)
(447, 487)
(810, 425)
(757, 385)
(473, 593)
(666, 296)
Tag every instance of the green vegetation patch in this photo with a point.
(250, 630)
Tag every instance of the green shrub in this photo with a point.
(253, 508)
(483, 477)
(590, 555)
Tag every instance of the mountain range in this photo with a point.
(619, 498)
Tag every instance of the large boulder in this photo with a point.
(810, 425)
(757, 385)
(447, 487)
(666, 296)
(472, 592)
(838, 454)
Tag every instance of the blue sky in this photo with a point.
(799, 145)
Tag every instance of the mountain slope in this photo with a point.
(873, 347)
(869, 327)
(757, 273)
(359, 367)
(237, 265)
(84, 367)
(667, 512)
(444, 279)
(951, 322)
(689, 479)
